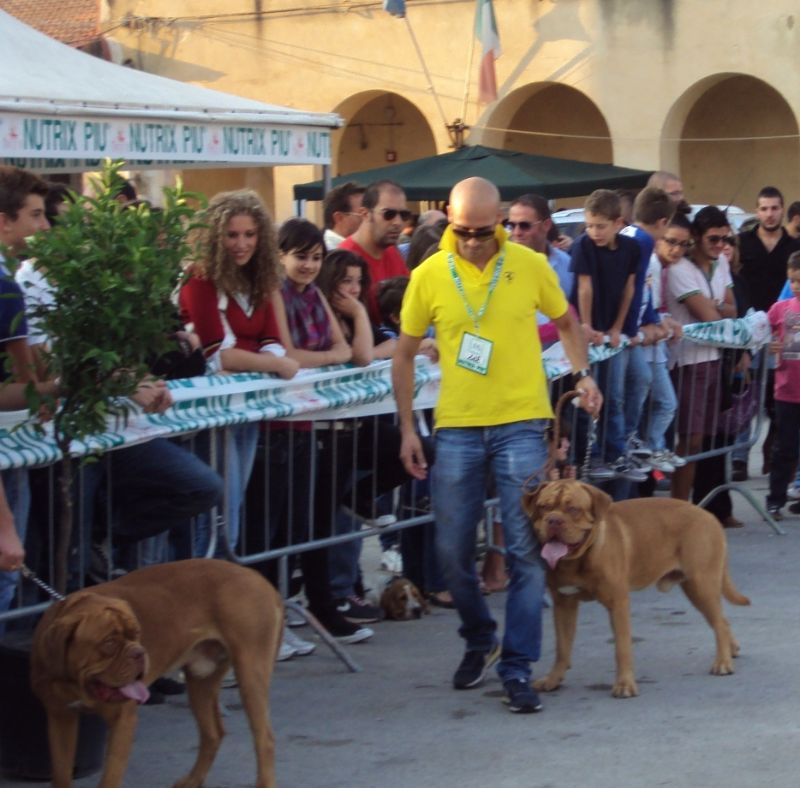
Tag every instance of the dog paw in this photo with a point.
(547, 683)
(722, 667)
(625, 688)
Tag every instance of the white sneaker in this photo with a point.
(674, 459)
(660, 461)
(302, 648)
(793, 492)
(392, 561)
(286, 651)
(294, 619)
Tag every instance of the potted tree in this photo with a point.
(113, 269)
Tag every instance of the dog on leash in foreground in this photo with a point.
(599, 550)
(100, 648)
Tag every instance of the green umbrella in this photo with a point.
(514, 174)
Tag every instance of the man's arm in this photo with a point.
(574, 344)
(411, 453)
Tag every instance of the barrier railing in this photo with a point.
(344, 409)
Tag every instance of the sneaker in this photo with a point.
(600, 472)
(294, 619)
(301, 647)
(167, 686)
(794, 508)
(775, 512)
(521, 698)
(343, 630)
(623, 468)
(101, 566)
(392, 561)
(793, 493)
(674, 459)
(636, 447)
(660, 461)
(358, 611)
(472, 670)
(364, 516)
(284, 652)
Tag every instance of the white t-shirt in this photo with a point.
(685, 279)
(38, 292)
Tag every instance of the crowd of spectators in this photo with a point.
(259, 297)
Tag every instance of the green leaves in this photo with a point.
(113, 269)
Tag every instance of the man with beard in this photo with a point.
(384, 213)
(763, 252)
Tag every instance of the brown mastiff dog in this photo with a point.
(101, 647)
(599, 550)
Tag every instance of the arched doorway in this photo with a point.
(553, 110)
(382, 128)
(763, 149)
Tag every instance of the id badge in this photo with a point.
(474, 353)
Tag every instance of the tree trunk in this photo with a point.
(64, 534)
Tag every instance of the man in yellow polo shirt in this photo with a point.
(481, 292)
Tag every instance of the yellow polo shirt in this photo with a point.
(515, 388)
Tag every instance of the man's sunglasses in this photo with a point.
(476, 233)
(392, 213)
(722, 239)
(523, 226)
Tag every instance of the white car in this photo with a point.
(571, 221)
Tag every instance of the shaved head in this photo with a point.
(474, 192)
(474, 212)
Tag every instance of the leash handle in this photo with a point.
(28, 574)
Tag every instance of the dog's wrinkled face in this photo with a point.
(402, 601)
(96, 638)
(564, 516)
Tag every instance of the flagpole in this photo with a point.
(425, 69)
(470, 62)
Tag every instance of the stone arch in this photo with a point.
(552, 108)
(736, 106)
(378, 122)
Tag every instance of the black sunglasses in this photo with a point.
(393, 213)
(478, 233)
(722, 239)
(524, 226)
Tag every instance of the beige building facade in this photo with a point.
(702, 87)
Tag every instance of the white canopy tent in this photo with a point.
(63, 110)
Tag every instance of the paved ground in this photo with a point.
(398, 724)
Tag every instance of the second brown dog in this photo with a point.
(599, 550)
(401, 600)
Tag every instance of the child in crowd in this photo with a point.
(662, 403)
(605, 265)
(316, 339)
(784, 319)
(646, 354)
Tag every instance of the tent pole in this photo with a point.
(327, 182)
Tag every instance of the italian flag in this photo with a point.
(486, 31)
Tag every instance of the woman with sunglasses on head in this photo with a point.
(385, 213)
(699, 289)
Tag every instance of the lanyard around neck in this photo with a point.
(475, 318)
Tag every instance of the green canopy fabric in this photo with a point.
(514, 174)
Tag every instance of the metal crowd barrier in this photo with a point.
(342, 420)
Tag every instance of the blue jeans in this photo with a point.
(638, 382)
(611, 380)
(464, 458)
(18, 494)
(661, 411)
(236, 455)
(152, 488)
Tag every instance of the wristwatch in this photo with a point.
(580, 374)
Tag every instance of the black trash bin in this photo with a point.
(24, 752)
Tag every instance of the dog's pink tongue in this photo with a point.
(136, 691)
(553, 551)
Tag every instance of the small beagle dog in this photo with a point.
(402, 601)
